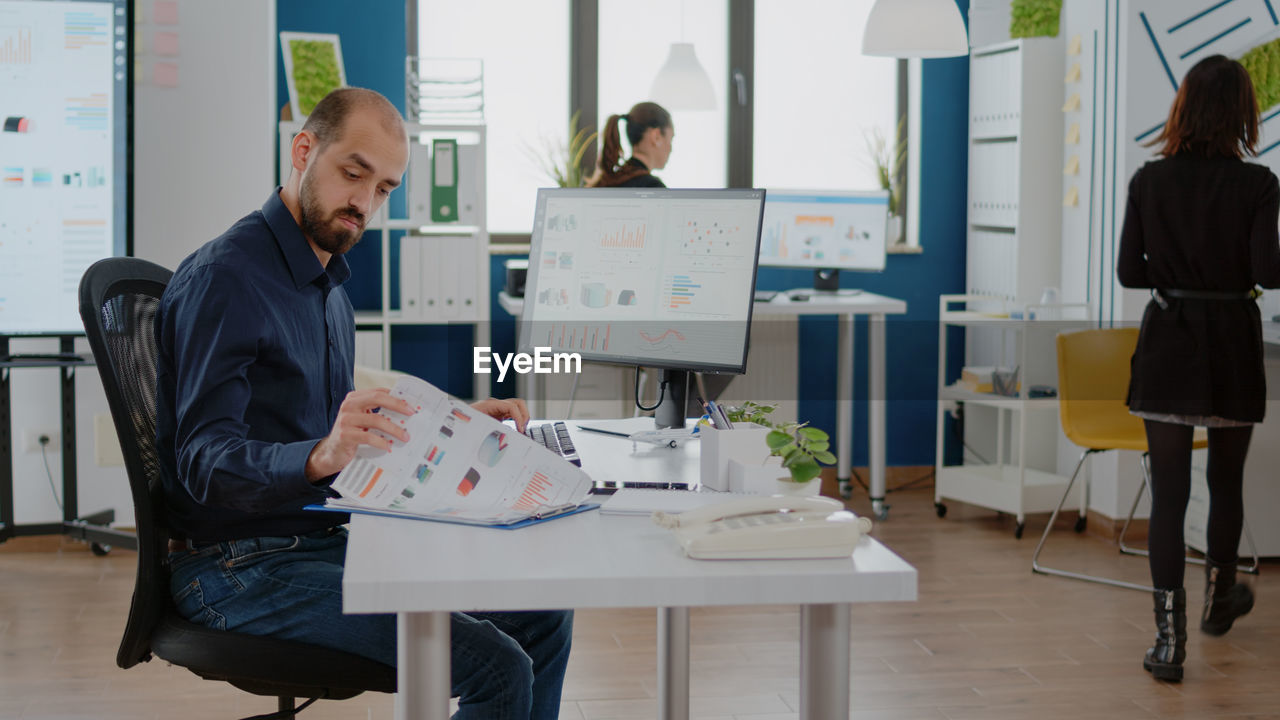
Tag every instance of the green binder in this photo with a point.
(444, 180)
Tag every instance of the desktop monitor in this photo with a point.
(827, 230)
(648, 277)
(65, 96)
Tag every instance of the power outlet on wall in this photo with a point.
(31, 440)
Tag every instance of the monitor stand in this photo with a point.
(675, 396)
(826, 280)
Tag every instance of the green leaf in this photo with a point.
(805, 472)
(818, 446)
(825, 458)
(776, 440)
(814, 434)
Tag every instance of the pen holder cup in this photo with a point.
(744, 443)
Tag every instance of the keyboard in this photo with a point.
(554, 436)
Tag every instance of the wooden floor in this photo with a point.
(987, 639)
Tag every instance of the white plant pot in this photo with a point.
(757, 478)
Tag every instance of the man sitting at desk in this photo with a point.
(256, 414)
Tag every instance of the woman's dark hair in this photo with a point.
(640, 117)
(1215, 112)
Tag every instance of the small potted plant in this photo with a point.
(801, 450)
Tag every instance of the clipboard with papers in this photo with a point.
(460, 466)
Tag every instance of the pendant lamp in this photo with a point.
(915, 29)
(682, 83)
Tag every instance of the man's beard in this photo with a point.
(327, 232)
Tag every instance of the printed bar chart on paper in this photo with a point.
(459, 465)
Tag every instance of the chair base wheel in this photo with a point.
(99, 549)
(1017, 531)
(941, 509)
(1081, 523)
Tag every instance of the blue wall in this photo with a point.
(373, 46)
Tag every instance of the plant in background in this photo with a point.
(886, 159)
(1263, 65)
(315, 70)
(1034, 18)
(802, 448)
(562, 161)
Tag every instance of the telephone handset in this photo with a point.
(767, 527)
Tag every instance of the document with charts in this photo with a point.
(459, 465)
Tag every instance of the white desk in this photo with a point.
(875, 307)
(423, 570)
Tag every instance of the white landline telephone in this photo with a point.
(767, 527)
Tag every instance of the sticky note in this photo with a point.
(164, 74)
(1072, 199)
(1072, 104)
(165, 44)
(165, 12)
(1073, 134)
(1073, 75)
(1073, 47)
(1073, 166)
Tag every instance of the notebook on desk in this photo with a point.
(637, 501)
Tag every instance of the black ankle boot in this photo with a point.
(1164, 660)
(1224, 598)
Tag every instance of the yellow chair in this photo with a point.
(1093, 382)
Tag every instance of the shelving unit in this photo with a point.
(1015, 177)
(453, 257)
(1010, 482)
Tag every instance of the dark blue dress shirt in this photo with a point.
(256, 352)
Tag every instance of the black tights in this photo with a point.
(1170, 447)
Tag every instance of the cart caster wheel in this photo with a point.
(99, 549)
(941, 509)
(1017, 531)
(1081, 523)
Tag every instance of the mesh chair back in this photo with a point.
(118, 301)
(1093, 384)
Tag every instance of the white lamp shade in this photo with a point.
(682, 84)
(915, 29)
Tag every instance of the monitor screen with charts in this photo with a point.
(65, 89)
(835, 229)
(651, 277)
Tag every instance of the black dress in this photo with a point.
(642, 179)
(1197, 223)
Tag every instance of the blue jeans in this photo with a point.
(505, 664)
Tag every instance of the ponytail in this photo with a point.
(612, 170)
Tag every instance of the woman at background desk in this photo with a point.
(1200, 231)
(649, 130)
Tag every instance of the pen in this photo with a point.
(604, 432)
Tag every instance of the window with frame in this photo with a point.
(526, 90)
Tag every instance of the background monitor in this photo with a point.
(828, 230)
(648, 277)
(65, 97)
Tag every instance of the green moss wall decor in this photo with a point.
(1263, 65)
(1034, 18)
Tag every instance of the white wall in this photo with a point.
(203, 158)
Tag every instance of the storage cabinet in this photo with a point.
(1016, 474)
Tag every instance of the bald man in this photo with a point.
(256, 415)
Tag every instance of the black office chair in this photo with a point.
(118, 301)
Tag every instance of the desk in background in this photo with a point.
(847, 307)
(416, 569)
